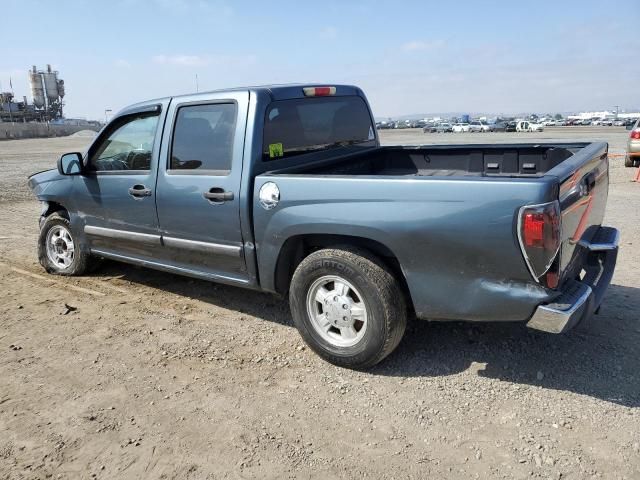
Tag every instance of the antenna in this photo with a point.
(197, 90)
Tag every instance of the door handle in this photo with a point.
(587, 184)
(218, 195)
(139, 191)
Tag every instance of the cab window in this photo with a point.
(203, 138)
(303, 125)
(128, 145)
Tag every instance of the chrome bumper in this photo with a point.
(579, 299)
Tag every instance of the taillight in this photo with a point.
(635, 134)
(319, 91)
(539, 236)
(533, 229)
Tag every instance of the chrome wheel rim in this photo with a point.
(337, 311)
(60, 247)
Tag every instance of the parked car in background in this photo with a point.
(632, 159)
(511, 126)
(549, 123)
(618, 123)
(443, 127)
(460, 127)
(478, 126)
(607, 122)
(385, 125)
(527, 126)
(499, 126)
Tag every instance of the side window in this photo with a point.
(127, 146)
(203, 137)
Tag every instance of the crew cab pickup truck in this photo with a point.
(286, 189)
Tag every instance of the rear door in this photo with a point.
(198, 187)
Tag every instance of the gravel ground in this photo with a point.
(131, 373)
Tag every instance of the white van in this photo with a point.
(527, 126)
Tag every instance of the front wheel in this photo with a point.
(58, 250)
(348, 307)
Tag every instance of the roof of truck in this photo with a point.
(275, 91)
(288, 89)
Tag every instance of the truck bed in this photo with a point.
(444, 161)
(448, 213)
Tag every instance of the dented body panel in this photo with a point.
(459, 255)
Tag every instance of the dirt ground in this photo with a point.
(131, 373)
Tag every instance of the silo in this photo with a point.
(37, 90)
(51, 84)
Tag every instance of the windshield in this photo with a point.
(294, 127)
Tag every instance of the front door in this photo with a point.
(198, 186)
(115, 196)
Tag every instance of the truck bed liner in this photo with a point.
(498, 160)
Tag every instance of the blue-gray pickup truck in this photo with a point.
(286, 189)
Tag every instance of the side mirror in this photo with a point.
(70, 164)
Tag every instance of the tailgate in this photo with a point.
(584, 185)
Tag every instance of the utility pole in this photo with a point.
(616, 107)
(197, 88)
(12, 95)
(106, 112)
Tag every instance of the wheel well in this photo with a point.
(53, 207)
(295, 249)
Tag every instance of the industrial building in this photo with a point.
(47, 91)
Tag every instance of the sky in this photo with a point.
(408, 56)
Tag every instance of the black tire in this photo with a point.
(82, 261)
(380, 292)
(629, 161)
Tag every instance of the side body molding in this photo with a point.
(204, 247)
(122, 235)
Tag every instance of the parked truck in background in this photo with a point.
(286, 189)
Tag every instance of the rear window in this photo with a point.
(294, 127)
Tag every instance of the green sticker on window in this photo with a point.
(275, 150)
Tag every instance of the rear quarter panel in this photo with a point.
(454, 238)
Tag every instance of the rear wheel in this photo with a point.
(630, 161)
(348, 307)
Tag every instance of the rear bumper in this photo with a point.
(580, 298)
